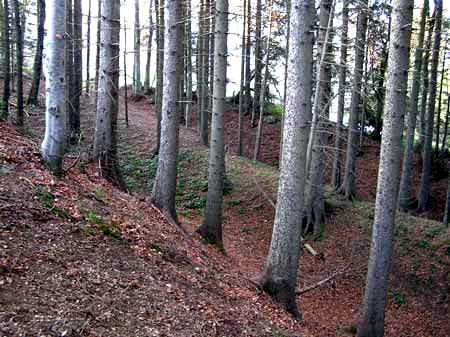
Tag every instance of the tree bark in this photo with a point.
(105, 137)
(69, 70)
(342, 84)
(88, 49)
(188, 32)
(446, 219)
(204, 98)
(163, 195)
(348, 187)
(97, 54)
(137, 51)
(371, 323)
(279, 277)
(248, 49)
(258, 63)
(406, 179)
(37, 64)
(53, 145)
(19, 63)
(149, 49)
(441, 87)
(242, 84)
(6, 67)
(125, 71)
(211, 228)
(424, 191)
(77, 65)
(159, 6)
(447, 117)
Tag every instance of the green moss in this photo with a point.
(112, 230)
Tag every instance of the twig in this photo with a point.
(322, 282)
(73, 164)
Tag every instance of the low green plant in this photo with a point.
(47, 199)
(397, 297)
(112, 230)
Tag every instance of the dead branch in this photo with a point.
(322, 282)
(73, 164)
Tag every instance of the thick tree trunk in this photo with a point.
(105, 137)
(211, 229)
(188, 32)
(19, 62)
(159, 6)
(315, 199)
(348, 187)
(37, 65)
(424, 191)
(262, 93)
(163, 195)
(406, 179)
(137, 51)
(149, 49)
(53, 146)
(441, 87)
(242, 84)
(77, 65)
(6, 68)
(88, 49)
(279, 277)
(258, 63)
(342, 85)
(371, 323)
(69, 71)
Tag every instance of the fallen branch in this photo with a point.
(322, 282)
(73, 164)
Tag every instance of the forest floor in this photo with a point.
(80, 258)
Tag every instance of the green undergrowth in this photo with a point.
(93, 220)
(48, 201)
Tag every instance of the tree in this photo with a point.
(159, 6)
(258, 62)
(242, 83)
(211, 229)
(279, 277)
(348, 186)
(342, 79)
(105, 136)
(188, 63)
(69, 69)
(315, 199)
(446, 219)
(163, 194)
(447, 117)
(6, 68)
(77, 66)
(149, 48)
(371, 323)
(37, 64)
(88, 49)
(405, 182)
(97, 54)
(424, 191)
(53, 145)
(137, 51)
(19, 63)
(441, 87)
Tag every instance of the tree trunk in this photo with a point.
(262, 93)
(19, 62)
(204, 98)
(279, 277)
(424, 192)
(315, 198)
(447, 116)
(446, 219)
(69, 71)
(125, 70)
(149, 49)
(53, 146)
(105, 137)
(211, 229)
(77, 65)
(88, 49)
(6, 68)
(159, 5)
(188, 32)
(371, 323)
(348, 187)
(248, 49)
(242, 84)
(163, 195)
(137, 51)
(441, 86)
(37, 65)
(258, 63)
(406, 179)
(97, 55)
(342, 85)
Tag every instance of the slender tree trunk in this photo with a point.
(446, 219)
(37, 65)
(342, 84)
(441, 86)
(406, 179)
(163, 195)
(204, 112)
(372, 319)
(199, 62)
(88, 49)
(348, 187)
(159, 6)
(69, 73)
(315, 199)
(53, 145)
(248, 49)
(137, 51)
(97, 54)
(19, 62)
(77, 65)
(6, 68)
(211, 229)
(188, 28)
(105, 137)
(258, 63)
(447, 117)
(242, 84)
(279, 277)
(125, 70)
(149, 49)
(424, 191)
